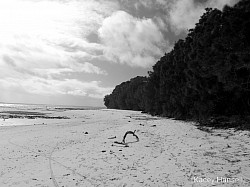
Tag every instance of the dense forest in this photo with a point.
(206, 74)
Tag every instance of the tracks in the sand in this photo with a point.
(50, 158)
(50, 167)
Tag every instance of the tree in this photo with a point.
(206, 74)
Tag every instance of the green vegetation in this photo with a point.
(207, 75)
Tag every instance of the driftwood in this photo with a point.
(129, 132)
(113, 137)
(124, 137)
(126, 145)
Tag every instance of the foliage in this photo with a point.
(128, 95)
(207, 74)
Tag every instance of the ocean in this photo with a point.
(34, 111)
(23, 106)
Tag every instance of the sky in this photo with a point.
(74, 52)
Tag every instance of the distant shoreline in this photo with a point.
(49, 106)
(35, 111)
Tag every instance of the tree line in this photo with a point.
(206, 74)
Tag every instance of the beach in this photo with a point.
(69, 148)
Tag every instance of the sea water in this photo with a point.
(24, 106)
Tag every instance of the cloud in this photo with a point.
(42, 42)
(73, 87)
(130, 40)
(137, 5)
(145, 3)
(48, 34)
(185, 13)
(37, 57)
(221, 3)
(84, 67)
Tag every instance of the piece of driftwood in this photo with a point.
(122, 143)
(113, 137)
(129, 132)
(124, 137)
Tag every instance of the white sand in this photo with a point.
(57, 152)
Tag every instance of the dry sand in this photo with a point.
(80, 151)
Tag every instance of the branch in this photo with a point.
(130, 132)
